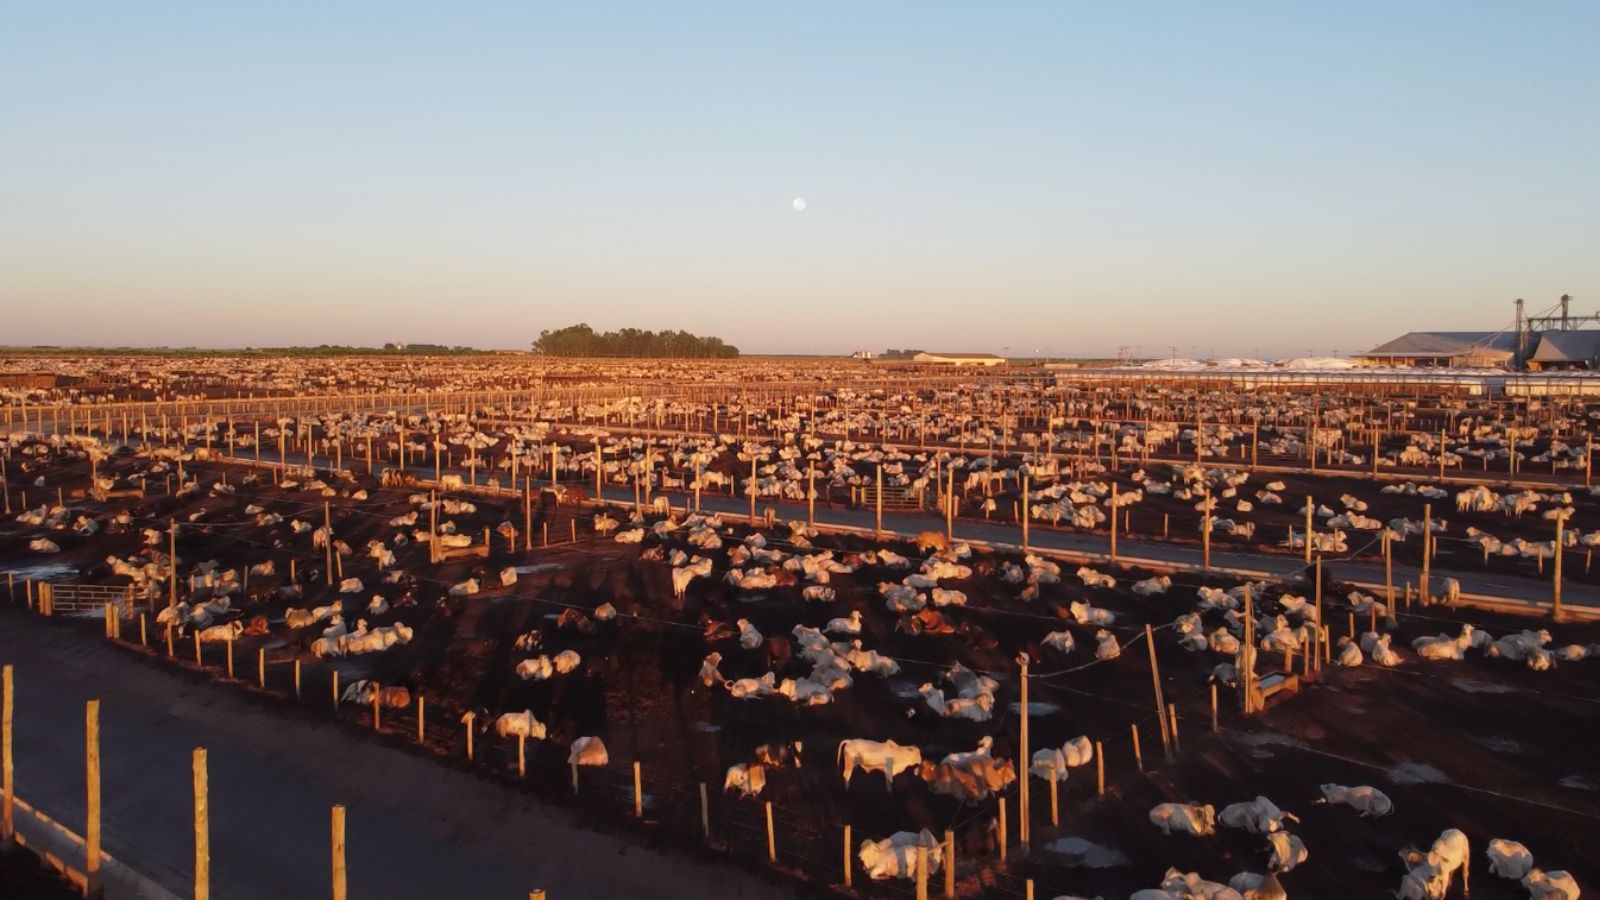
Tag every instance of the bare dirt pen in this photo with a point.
(1483, 745)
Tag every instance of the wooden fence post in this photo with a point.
(704, 812)
(1024, 812)
(922, 872)
(772, 838)
(338, 852)
(91, 830)
(1000, 829)
(1155, 679)
(1055, 809)
(849, 861)
(1555, 587)
(949, 864)
(638, 792)
(202, 829)
(7, 766)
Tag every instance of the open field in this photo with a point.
(454, 531)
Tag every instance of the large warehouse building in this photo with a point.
(1545, 341)
(1542, 351)
(1444, 349)
(959, 359)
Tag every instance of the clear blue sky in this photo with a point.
(1227, 177)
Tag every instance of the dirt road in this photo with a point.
(416, 828)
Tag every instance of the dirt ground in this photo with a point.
(24, 876)
(1483, 745)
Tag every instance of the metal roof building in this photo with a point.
(1444, 349)
(1566, 350)
(959, 359)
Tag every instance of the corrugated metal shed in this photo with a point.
(1574, 347)
(1445, 343)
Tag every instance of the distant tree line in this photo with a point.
(581, 340)
(900, 354)
(319, 350)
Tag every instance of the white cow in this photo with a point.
(1059, 641)
(1074, 753)
(1509, 859)
(749, 637)
(1149, 587)
(1377, 647)
(1091, 578)
(1552, 885)
(1367, 800)
(1288, 851)
(588, 751)
(1349, 653)
(1431, 873)
(896, 856)
(708, 668)
(887, 757)
(1084, 614)
(520, 723)
(1106, 646)
(222, 633)
(1190, 886)
(1184, 818)
(537, 669)
(848, 625)
(1258, 816)
(746, 688)
(682, 575)
(978, 708)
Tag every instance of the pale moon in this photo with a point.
(799, 204)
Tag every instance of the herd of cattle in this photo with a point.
(791, 616)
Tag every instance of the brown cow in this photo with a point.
(779, 651)
(571, 618)
(972, 778)
(925, 621)
(932, 540)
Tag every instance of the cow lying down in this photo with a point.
(1184, 818)
(1369, 801)
(896, 856)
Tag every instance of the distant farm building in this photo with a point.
(1566, 350)
(959, 359)
(1444, 349)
